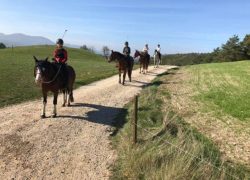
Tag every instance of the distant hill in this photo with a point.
(19, 39)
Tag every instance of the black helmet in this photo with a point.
(158, 45)
(126, 43)
(59, 41)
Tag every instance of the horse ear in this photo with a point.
(35, 58)
(46, 58)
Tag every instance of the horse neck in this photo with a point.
(52, 71)
(119, 56)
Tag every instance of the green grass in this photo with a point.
(17, 68)
(224, 86)
(174, 151)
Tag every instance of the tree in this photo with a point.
(232, 50)
(246, 46)
(105, 50)
(84, 47)
(2, 46)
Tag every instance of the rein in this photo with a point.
(48, 82)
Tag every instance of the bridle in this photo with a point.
(54, 78)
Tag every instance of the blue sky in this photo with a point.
(178, 25)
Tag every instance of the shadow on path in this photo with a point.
(99, 114)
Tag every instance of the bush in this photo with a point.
(2, 46)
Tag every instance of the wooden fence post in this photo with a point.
(135, 119)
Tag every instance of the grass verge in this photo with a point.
(168, 147)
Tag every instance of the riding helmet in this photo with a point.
(126, 43)
(59, 41)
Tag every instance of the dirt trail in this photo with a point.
(75, 145)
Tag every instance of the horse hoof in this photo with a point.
(53, 116)
(68, 105)
(63, 105)
(43, 116)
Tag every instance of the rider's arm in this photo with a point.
(57, 59)
(64, 60)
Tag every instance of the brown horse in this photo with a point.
(124, 64)
(144, 60)
(51, 78)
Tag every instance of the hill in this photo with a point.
(19, 39)
(17, 68)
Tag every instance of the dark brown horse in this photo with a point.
(144, 60)
(51, 77)
(125, 64)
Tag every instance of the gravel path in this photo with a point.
(76, 144)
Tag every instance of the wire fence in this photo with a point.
(135, 133)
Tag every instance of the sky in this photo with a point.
(179, 26)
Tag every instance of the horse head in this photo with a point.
(41, 69)
(112, 56)
(137, 53)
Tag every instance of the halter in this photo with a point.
(48, 82)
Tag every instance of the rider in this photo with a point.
(158, 49)
(145, 49)
(126, 50)
(60, 58)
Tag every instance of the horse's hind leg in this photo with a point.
(55, 103)
(129, 74)
(124, 76)
(44, 104)
(64, 98)
(70, 97)
(120, 76)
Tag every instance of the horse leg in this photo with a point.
(69, 96)
(54, 103)
(44, 104)
(140, 66)
(154, 62)
(129, 74)
(124, 76)
(64, 98)
(119, 76)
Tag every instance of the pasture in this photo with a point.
(224, 88)
(17, 71)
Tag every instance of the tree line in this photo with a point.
(233, 50)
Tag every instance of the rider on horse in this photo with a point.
(145, 49)
(60, 58)
(126, 51)
(158, 49)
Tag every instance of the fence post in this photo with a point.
(135, 119)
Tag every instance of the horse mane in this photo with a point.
(120, 54)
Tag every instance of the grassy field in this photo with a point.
(16, 71)
(171, 148)
(223, 86)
